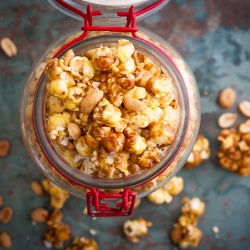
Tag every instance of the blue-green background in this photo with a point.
(214, 38)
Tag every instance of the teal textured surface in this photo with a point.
(214, 38)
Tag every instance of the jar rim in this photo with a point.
(76, 176)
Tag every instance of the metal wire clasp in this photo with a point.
(124, 203)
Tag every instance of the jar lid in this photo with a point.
(110, 8)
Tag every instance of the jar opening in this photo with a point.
(51, 153)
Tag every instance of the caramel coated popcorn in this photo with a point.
(108, 105)
(185, 233)
(58, 196)
(166, 193)
(82, 243)
(234, 152)
(199, 153)
(136, 228)
(57, 232)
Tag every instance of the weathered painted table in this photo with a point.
(214, 38)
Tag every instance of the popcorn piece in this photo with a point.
(125, 50)
(109, 115)
(125, 80)
(199, 153)
(151, 66)
(81, 243)
(166, 193)
(58, 121)
(185, 233)
(149, 158)
(160, 196)
(134, 143)
(82, 147)
(55, 105)
(160, 85)
(234, 149)
(103, 58)
(57, 195)
(136, 228)
(161, 134)
(58, 88)
(110, 140)
(57, 232)
(52, 70)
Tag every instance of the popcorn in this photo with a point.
(107, 104)
(57, 195)
(185, 233)
(136, 228)
(234, 149)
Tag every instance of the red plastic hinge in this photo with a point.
(102, 202)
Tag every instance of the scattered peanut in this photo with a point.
(8, 47)
(36, 187)
(226, 120)
(244, 108)
(1, 200)
(6, 214)
(227, 97)
(4, 148)
(39, 215)
(133, 104)
(5, 240)
(74, 131)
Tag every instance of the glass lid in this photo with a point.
(110, 8)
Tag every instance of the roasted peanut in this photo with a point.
(133, 104)
(5, 240)
(6, 214)
(4, 148)
(91, 100)
(227, 97)
(36, 187)
(39, 215)
(8, 47)
(244, 108)
(226, 120)
(74, 131)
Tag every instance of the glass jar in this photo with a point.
(59, 171)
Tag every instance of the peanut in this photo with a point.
(6, 214)
(5, 240)
(8, 47)
(226, 120)
(91, 100)
(244, 108)
(227, 97)
(4, 148)
(133, 104)
(36, 187)
(74, 131)
(39, 215)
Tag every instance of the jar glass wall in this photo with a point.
(59, 171)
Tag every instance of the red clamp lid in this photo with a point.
(110, 8)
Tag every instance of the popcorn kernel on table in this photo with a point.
(136, 228)
(166, 192)
(185, 233)
(58, 196)
(234, 148)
